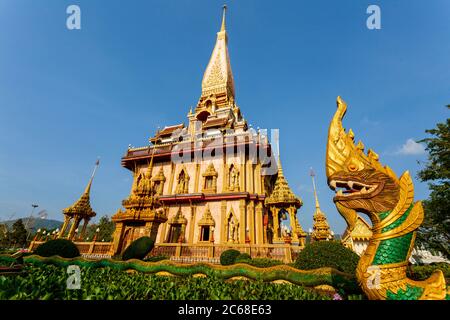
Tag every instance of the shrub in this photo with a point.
(263, 262)
(156, 258)
(59, 247)
(424, 272)
(138, 249)
(327, 254)
(228, 257)
(243, 257)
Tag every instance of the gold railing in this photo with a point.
(95, 250)
(190, 253)
(209, 252)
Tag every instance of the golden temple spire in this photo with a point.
(88, 187)
(314, 187)
(82, 207)
(223, 17)
(321, 229)
(282, 193)
(218, 78)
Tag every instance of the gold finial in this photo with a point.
(312, 174)
(224, 7)
(88, 187)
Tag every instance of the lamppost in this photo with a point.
(36, 236)
(29, 219)
(96, 234)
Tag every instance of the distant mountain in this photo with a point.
(35, 223)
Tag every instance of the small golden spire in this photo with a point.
(312, 174)
(223, 17)
(88, 187)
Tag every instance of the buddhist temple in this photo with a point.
(80, 211)
(212, 180)
(321, 229)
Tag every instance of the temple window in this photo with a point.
(177, 228)
(208, 183)
(205, 230)
(174, 233)
(158, 182)
(210, 179)
(206, 225)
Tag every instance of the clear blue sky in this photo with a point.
(67, 97)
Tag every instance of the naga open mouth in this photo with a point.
(351, 189)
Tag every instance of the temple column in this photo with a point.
(259, 223)
(276, 224)
(117, 239)
(192, 224)
(83, 230)
(223, 227)
(251, 221)
(293, 222)
(197, 176)
(162, 238)
(242, 221)
(172, 174)
(74, 226)
(64, 226)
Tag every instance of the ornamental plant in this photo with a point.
(228, 257)
(58, 247)
(138, 249)
(322, 254)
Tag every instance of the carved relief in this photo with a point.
(183, 182)
(232, 231)
(233, 178)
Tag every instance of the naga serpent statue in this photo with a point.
(364, 185)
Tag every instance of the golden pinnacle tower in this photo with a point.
(200, 184)
(282, 200)
(80, 210)
(321, 229)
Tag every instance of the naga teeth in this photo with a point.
(364, 190)
(333, 183)
(350, 184)
(340, 193)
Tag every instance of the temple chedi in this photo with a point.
(211, 180)
(80, 211)
(321, 229)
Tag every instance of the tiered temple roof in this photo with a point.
(321, 229)
(282, 194)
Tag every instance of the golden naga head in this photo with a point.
(361, 182)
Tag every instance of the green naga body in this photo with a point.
(363, 185)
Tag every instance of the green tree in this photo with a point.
(435, 231)
(3, 235)
(19, 234)
(106, 229)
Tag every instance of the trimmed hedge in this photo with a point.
(327, 254)
(138, 249)
(424, 272)
(156, 258)
(109, 283)
(243, 257)
(58, 247)
(263, 262)
(228, 257)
